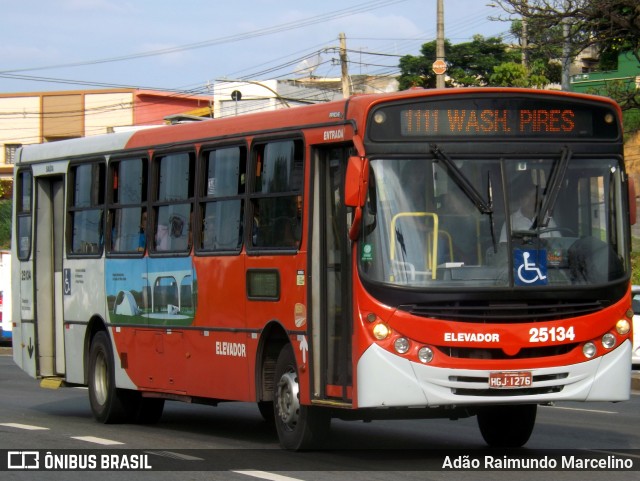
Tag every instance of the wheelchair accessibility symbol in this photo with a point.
(530, 267)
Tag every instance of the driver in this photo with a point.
(522, 219)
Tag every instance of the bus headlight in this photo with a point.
(401, 345)
(381, 331)
(589, 350)
(623, 327)
(608, 340)
(425, 354)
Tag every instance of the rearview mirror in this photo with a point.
(355, 191)
(356, 182)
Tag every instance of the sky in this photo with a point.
(187, 45)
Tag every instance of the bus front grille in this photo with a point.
(524, 353)
(498, 312)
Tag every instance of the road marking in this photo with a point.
(173, 455)
(266, 475)
(23, 426)
(616, 453)
(93, 439)
(583, 410)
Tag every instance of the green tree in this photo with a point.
(542, 48)
(5, 223)
(468, 64)
(511, 74)
(612, 26)
(416, 71)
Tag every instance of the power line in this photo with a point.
(358, 8)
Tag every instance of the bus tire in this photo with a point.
(507, 426)
(108, 403)
(299, 427)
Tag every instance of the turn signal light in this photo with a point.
(623, 327)
(381, 331)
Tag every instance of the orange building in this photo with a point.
(37, 117)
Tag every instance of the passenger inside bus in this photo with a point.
(142, 236)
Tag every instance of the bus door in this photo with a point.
(48, 278)
(331, 279)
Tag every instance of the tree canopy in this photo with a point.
(613, 26)
(609, 24)
(468, 64)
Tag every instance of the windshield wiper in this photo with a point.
(462, 181)
(552, 190)
(492, 226)
(485, 207)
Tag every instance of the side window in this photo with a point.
(276, 199)
(86, 208)
(24, 199)
(222, 205)
(127, 211)
(173, 202)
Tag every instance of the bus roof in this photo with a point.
(73, 148)
(352, 109)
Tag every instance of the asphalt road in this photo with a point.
(233, 442)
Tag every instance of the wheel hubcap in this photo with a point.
(100, 379)
(288, 401)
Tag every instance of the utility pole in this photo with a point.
(525, 36)
(525, 44)
(346, 90)
(566, 53)
(440, 45)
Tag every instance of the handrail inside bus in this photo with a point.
(433, 261)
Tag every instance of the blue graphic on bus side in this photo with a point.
(530, 267)
(148, 291)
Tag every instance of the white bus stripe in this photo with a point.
(95, 440)
(23, 426)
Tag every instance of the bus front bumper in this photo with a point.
(388, 380)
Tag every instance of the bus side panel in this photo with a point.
(223, 352)
(24, 336)
(74, 338)
(288, 308)
(84, 300)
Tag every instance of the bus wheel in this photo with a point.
(507, 426)
(299, 427)
(108, 404)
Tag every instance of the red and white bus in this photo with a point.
(428, 253)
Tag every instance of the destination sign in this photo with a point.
(493, 116)
(493, 122)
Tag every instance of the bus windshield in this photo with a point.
(553, 221)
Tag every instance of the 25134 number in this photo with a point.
(553, 334)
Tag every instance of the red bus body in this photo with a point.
(340, 318)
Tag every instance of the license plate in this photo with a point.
(510, 380)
